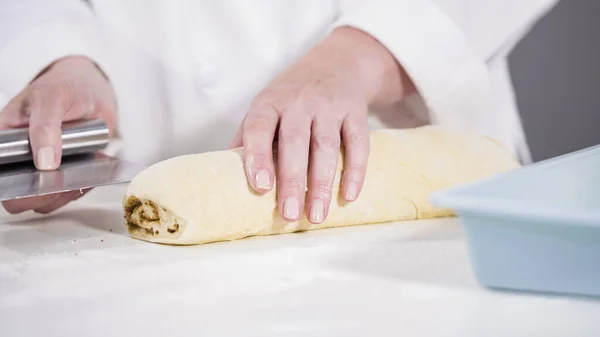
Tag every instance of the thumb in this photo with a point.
(46, 106)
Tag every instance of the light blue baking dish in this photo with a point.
(536, 228)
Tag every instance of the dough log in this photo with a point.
(202, 198)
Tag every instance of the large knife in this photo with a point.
(83, 164)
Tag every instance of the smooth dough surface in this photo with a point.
(202, 198)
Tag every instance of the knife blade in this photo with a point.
(83, 165)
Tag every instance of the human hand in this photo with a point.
(313, 107)
(70, 89)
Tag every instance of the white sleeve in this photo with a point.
(444, 45)
(35, 33)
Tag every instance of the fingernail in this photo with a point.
(317, 211)
(45, 158)
(263, 180)
(291, 208)
(351, 190)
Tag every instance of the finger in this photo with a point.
(324, 153)
(104, 109)
(293, 143)
(14, 114)
(238, 140)
(355, 137)
(48, 106)
(21, 205)
(258, 134)
(62, 200)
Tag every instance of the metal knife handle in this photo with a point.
(77, 138)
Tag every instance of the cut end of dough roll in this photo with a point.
(150, 222)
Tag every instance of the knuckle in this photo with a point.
(316, 92)
(25, 110)
(325, 142)
(259, 124)
(104, 105)
(45, 127)
(356, 139)
(322, 188)
(59, 91)
(355, 167)
(269, 99)
(293, 184)
(294, 135)
(62, 90)
(258, 159)
(87, 108)
(266, 95)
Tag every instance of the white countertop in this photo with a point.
(77, 273)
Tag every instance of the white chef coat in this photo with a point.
(185, 71)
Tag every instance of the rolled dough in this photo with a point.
(202, 198)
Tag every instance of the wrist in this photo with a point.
(74, 61)
(375, 69)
